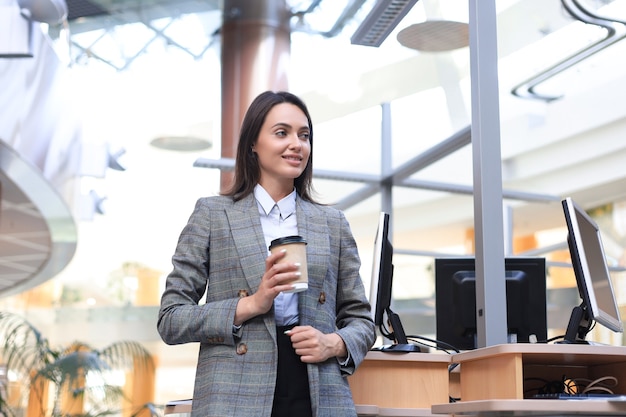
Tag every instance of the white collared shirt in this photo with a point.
(278, 219)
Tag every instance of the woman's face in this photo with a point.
(283, 146)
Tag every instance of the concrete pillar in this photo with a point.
(255, 54)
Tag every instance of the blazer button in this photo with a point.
(242, 349)
(322, 298)
(242, 293)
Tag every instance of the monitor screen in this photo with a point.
(380, 291)
(382, 271)
(455, 300)
(592, 275)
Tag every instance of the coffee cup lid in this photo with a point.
(287, 239)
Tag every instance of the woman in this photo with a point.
(265, 351)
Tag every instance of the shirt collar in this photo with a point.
(287, 205)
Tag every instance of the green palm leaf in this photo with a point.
(84, 369)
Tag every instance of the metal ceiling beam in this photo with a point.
(90, 15)
(399, 176)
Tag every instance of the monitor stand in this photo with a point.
(397, 330)
(399, 348)
(578, 326)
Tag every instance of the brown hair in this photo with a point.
(247, 170)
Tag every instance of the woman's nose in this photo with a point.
(295, 143)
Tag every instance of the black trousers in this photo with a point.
(291, 397)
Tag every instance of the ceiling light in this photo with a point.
(381, 21)
(181, 143)
(97, 157)
(91, 204)
(435, 36)
(52, 12)
(115, 160)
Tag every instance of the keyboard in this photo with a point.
(587, 396)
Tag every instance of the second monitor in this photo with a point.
(455, 298)
(380, 292)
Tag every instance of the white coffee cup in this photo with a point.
(296, 253)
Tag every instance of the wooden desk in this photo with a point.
(386, 385)
(510, 408)
(178, 407)
(401, 380)
(497, 379)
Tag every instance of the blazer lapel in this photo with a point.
(248, 237)
(249, 240)
(312, 226)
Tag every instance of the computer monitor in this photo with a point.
(380, 291)
(592, 276)
(455, 300)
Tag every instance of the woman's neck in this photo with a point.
(276, 190)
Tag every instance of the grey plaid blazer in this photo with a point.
(222, 250)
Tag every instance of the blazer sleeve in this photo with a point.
(181, 319)
(354, 320)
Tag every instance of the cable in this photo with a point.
(437, 344)
(552, 339)
(571, 386)
(546, 387)
(385, 332)
(598, 385)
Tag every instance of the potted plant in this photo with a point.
(77, 380)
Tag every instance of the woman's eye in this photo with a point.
(304, 135)
(281, 133)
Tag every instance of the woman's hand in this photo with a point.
(277, 278)
(314, 346)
